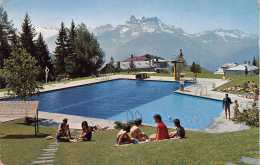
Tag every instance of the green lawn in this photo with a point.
(199, 148)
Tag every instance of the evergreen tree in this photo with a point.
(43, 54)
(90, 57)
(5, 27)
(27, 35)
(61, 51)
(132, 66)
(254, 62)
(192, 67)
(71, 60)
(20, 74)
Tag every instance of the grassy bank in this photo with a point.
(19, 146)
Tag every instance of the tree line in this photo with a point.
(77, 52)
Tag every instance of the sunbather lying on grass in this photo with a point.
(136, 133)
(122, 136)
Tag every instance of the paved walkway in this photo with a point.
(48, 155)
(248, 160)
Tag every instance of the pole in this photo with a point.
(46, 73)
(37, 122)
(35, 132)
(174, 71)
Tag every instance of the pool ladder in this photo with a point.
(136, 112)
(105, 78)
(201, 90)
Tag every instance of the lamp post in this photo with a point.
(46, 73)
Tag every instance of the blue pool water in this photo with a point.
(110, 100)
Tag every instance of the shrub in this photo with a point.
(119, 124)
(248, 116)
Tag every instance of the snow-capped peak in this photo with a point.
(47, 32)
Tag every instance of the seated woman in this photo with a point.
(122, 136)
(61, 135)
(86, 134)
(162, 130)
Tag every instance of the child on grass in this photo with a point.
(122, 136)
(136, 133)
(61, 135)
(180, 132)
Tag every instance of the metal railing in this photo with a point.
(203, 89)
(127, 111)
(139, 114)
(197, 90)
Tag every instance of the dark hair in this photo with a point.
(127, 128)
(177, 122)
(157, 116)
(255, 86)
(65, 120)
(62, 125)
(138, 122)
(226, 94)
(84, 123)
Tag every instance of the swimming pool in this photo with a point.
(111, 99)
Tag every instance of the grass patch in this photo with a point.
(19, 145)
(198, 148)
(240, 81)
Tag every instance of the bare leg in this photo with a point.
(226, 112)
(229, 112)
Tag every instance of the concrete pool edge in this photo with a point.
(217, 125)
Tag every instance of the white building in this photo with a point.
(223, 68)
(153, 65)
(240, 70)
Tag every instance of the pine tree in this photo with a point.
(61, 51)
(27, 35)
(5, 26)
(43, 54)
(132, 66)
(192, 67)
(254, 62)
(90, 57)
(71, 60)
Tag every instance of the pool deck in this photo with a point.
(217, 125)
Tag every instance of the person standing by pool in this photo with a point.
(162, 130)
(226, 104)
(195, 77)
(246, 71)
(182, 82)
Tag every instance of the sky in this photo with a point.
(191, 15)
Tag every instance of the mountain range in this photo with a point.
(143, 35)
